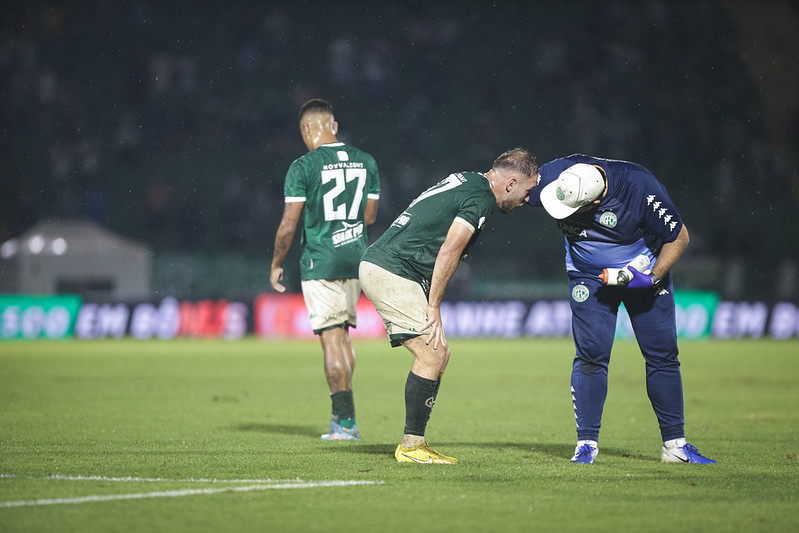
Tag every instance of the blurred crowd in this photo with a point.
(173, 123)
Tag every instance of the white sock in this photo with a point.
(674, 443)
(591, 443)
(411, 441)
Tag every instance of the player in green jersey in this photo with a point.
(339, 186)
(406, 272)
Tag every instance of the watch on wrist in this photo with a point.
(656, 281)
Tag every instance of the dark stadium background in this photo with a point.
(173, 123)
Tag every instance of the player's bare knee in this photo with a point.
(437, 357)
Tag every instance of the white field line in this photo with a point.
(129, 479)
(261, 485)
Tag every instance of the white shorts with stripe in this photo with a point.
(331, 302)
(401, 303)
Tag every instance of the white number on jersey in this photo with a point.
(342, 177)
(452, 181)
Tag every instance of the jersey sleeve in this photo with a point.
(474, 210)
(373, 183)
(659, 215)
(295, 187)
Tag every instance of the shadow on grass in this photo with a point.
(284, 429)
(359, 447)
(526, 449)
(555, 451)
(563, 450)
(549, 449)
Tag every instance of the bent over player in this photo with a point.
(406, 272)
(623, 236)
(339, 186)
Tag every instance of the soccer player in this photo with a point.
(406, 272)
(623, 236)
(339, 186)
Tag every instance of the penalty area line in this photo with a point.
(185, 492)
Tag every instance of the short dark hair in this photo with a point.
(517, 160)
(315, 105)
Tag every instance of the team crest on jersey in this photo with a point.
(608, 219)
(580, 293)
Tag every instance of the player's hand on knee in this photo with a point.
(436, 334)
(436, 338)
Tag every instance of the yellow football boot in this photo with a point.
(422, 454)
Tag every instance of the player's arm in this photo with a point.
(283, 239)
(662, 218)
(449, 255)
(370, 212)
(670, 253)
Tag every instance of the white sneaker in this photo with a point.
(585, 452)
(680, 451)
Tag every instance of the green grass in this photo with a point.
(253, 410)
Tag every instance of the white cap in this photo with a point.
(578, 185)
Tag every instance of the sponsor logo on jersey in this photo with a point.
(349, 233)
(608, 219)
(572, 232)
(580, 293)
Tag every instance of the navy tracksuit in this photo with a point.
(635, 217)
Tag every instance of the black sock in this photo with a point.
(420, 397)
(343, 405)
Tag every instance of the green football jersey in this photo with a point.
(409, 247)
(334, 181)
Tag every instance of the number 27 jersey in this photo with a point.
(334, 181)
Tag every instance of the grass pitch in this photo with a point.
(213, 436)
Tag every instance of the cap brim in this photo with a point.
(555, 207)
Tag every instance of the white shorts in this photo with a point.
(331, 302)
(401, 303)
